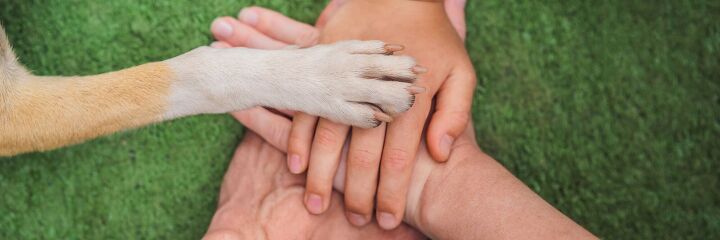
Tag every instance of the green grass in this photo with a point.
(608, 109)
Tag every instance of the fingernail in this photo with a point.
(416, 89)
(314, 204)
(386, 220)
(294, 163)
(221, 28)
(445, 144)
(393, 47)
(248, 16)
(357, 219)
(419, 69)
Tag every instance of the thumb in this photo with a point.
(452, 112)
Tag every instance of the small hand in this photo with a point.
(427, 34)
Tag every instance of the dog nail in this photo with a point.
(390, 48)
(419, 69)
(416, 89)
(383, 117)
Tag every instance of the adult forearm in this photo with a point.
(476, 197)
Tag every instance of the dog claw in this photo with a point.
(419, 69)
(391, 48)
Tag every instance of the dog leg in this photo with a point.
(349, 82)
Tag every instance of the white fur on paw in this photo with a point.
(361, 79)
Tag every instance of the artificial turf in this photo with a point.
(608, 109)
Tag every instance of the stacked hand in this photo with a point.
(388, 151)
(462, 198)
(261, 199)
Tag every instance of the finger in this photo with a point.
(301, 137)
(279, 27)
(287, 113)
(362, 168)
(401, 145)
(331, 225)
(455, 10)
(452, 111)
(324, 159)
(237, 34)
(218, 44)
(272, 127)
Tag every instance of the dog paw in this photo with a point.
(365, 84)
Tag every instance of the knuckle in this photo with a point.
(241, 39)
(265, 23)
(396, 159)
(320, 184)
(278, 134)
(363, 158)
(297, 142)
(390, 200)
(326, 136)
(359, 205)
(295, 137)
(459, 117)
(415, 117)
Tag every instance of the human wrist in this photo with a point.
(478, 198)
(446, 193)
(429, 176)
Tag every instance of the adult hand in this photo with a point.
(463, 198)
(452, 77)
(261, 199)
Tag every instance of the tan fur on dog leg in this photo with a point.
(49, 112)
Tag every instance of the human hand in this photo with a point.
(462, 198)
(261, 199)
(391, 147)
(271, 30)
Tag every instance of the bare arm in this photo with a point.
(478, 197)
(339, 81)
(472, 196)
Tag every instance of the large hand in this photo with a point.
(271, 30)
(463, 198)
(260, 199)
